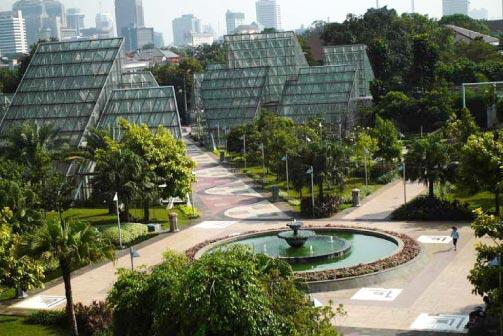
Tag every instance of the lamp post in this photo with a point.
(133, 254)
(263, 161)
(404, 184)
(116, 199)
(218, 134)
(311, 171)
(244, 148)
(285, 158)
(192, 195)
(366, 152)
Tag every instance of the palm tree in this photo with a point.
(70, 243)
(428, 161)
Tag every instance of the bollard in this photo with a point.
(173, 222)
(275, 193)
(356, 197)
(222, 156)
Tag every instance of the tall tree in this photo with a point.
(481, 162)
(428, 161)
(70, 243)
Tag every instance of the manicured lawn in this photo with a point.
(7, 293)
(256, 173)
(15, 326)
(101, 216)
(484, 199)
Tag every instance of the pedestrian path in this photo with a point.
(380, 205)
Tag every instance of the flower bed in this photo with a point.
(409, 251)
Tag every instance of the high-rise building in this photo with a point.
(75, 19)
(234, 20)
(128, 13)
(105, 24)
(43, 18)
(158, 40)
(138, 37)
(12, 33)
(184, 27)
(269, 14)
(451, 7)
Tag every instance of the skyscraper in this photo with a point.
(43, 18)
(184, 27)
(75, 19)
(451, 7)
(12, 33)
(105, 24)
(234, 20)
(128, 13)
(268, 14)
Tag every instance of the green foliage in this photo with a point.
(484, 276)
(388, 140)
(323, 208)
(131, 233)
(428, 161)
(189, 212)
(9, 80)
(18, 269)
(480, 166)
(432, 209)
(93, 319)
(466, 22)
(56, 318)
(225, 293)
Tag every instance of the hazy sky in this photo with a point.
(294, 13)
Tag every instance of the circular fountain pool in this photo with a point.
(328, 249)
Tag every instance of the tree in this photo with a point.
(458, 129)
(485, 275)
(18, 270)
(428, 161)
(69, 243)
(388, 140)
(425, 57)
(232, 292)
(481, 162)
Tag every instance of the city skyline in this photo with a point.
(292, 17)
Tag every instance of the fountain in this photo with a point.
(296, 237)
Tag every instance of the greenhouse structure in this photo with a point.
(269, 70)
(79, 85)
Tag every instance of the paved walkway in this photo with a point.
(231, 207)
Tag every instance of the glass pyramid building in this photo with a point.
(269, 70)
(73, 85)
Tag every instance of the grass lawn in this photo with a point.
(484, 199)
(97, 216)
(256, 173)
(15, 326)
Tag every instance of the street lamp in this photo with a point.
(404, 183)
(244, 148)
(192, 195)
(311, 171)
(263, 160)
(116, 199)
(133, 254)
(366, 152)
(285, 158)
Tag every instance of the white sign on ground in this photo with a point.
(446, 323)
(214, 224)
(434, 239)
(376, 294)
(40, 302)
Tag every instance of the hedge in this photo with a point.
(131, 232)
(432, 208)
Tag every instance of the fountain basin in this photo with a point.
(296, 238)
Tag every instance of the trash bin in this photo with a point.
(173, 222)
(222, 156)
(275, 193)
(356, 197)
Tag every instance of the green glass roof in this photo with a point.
(153, 106)
(319, 92)
(197, 99)
(279, 51)
(232, 97)
(138, 79)
(67, 85)
(354, 54)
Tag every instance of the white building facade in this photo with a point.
(268, 14)
(451, 7)
(12, 33)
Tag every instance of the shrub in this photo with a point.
(294, 202)
(387, 177)
(326, 207)
(432, 208)
(131, 232)
(189, 212)
(93, 319)
(56, 318)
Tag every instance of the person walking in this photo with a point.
(455, 237)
